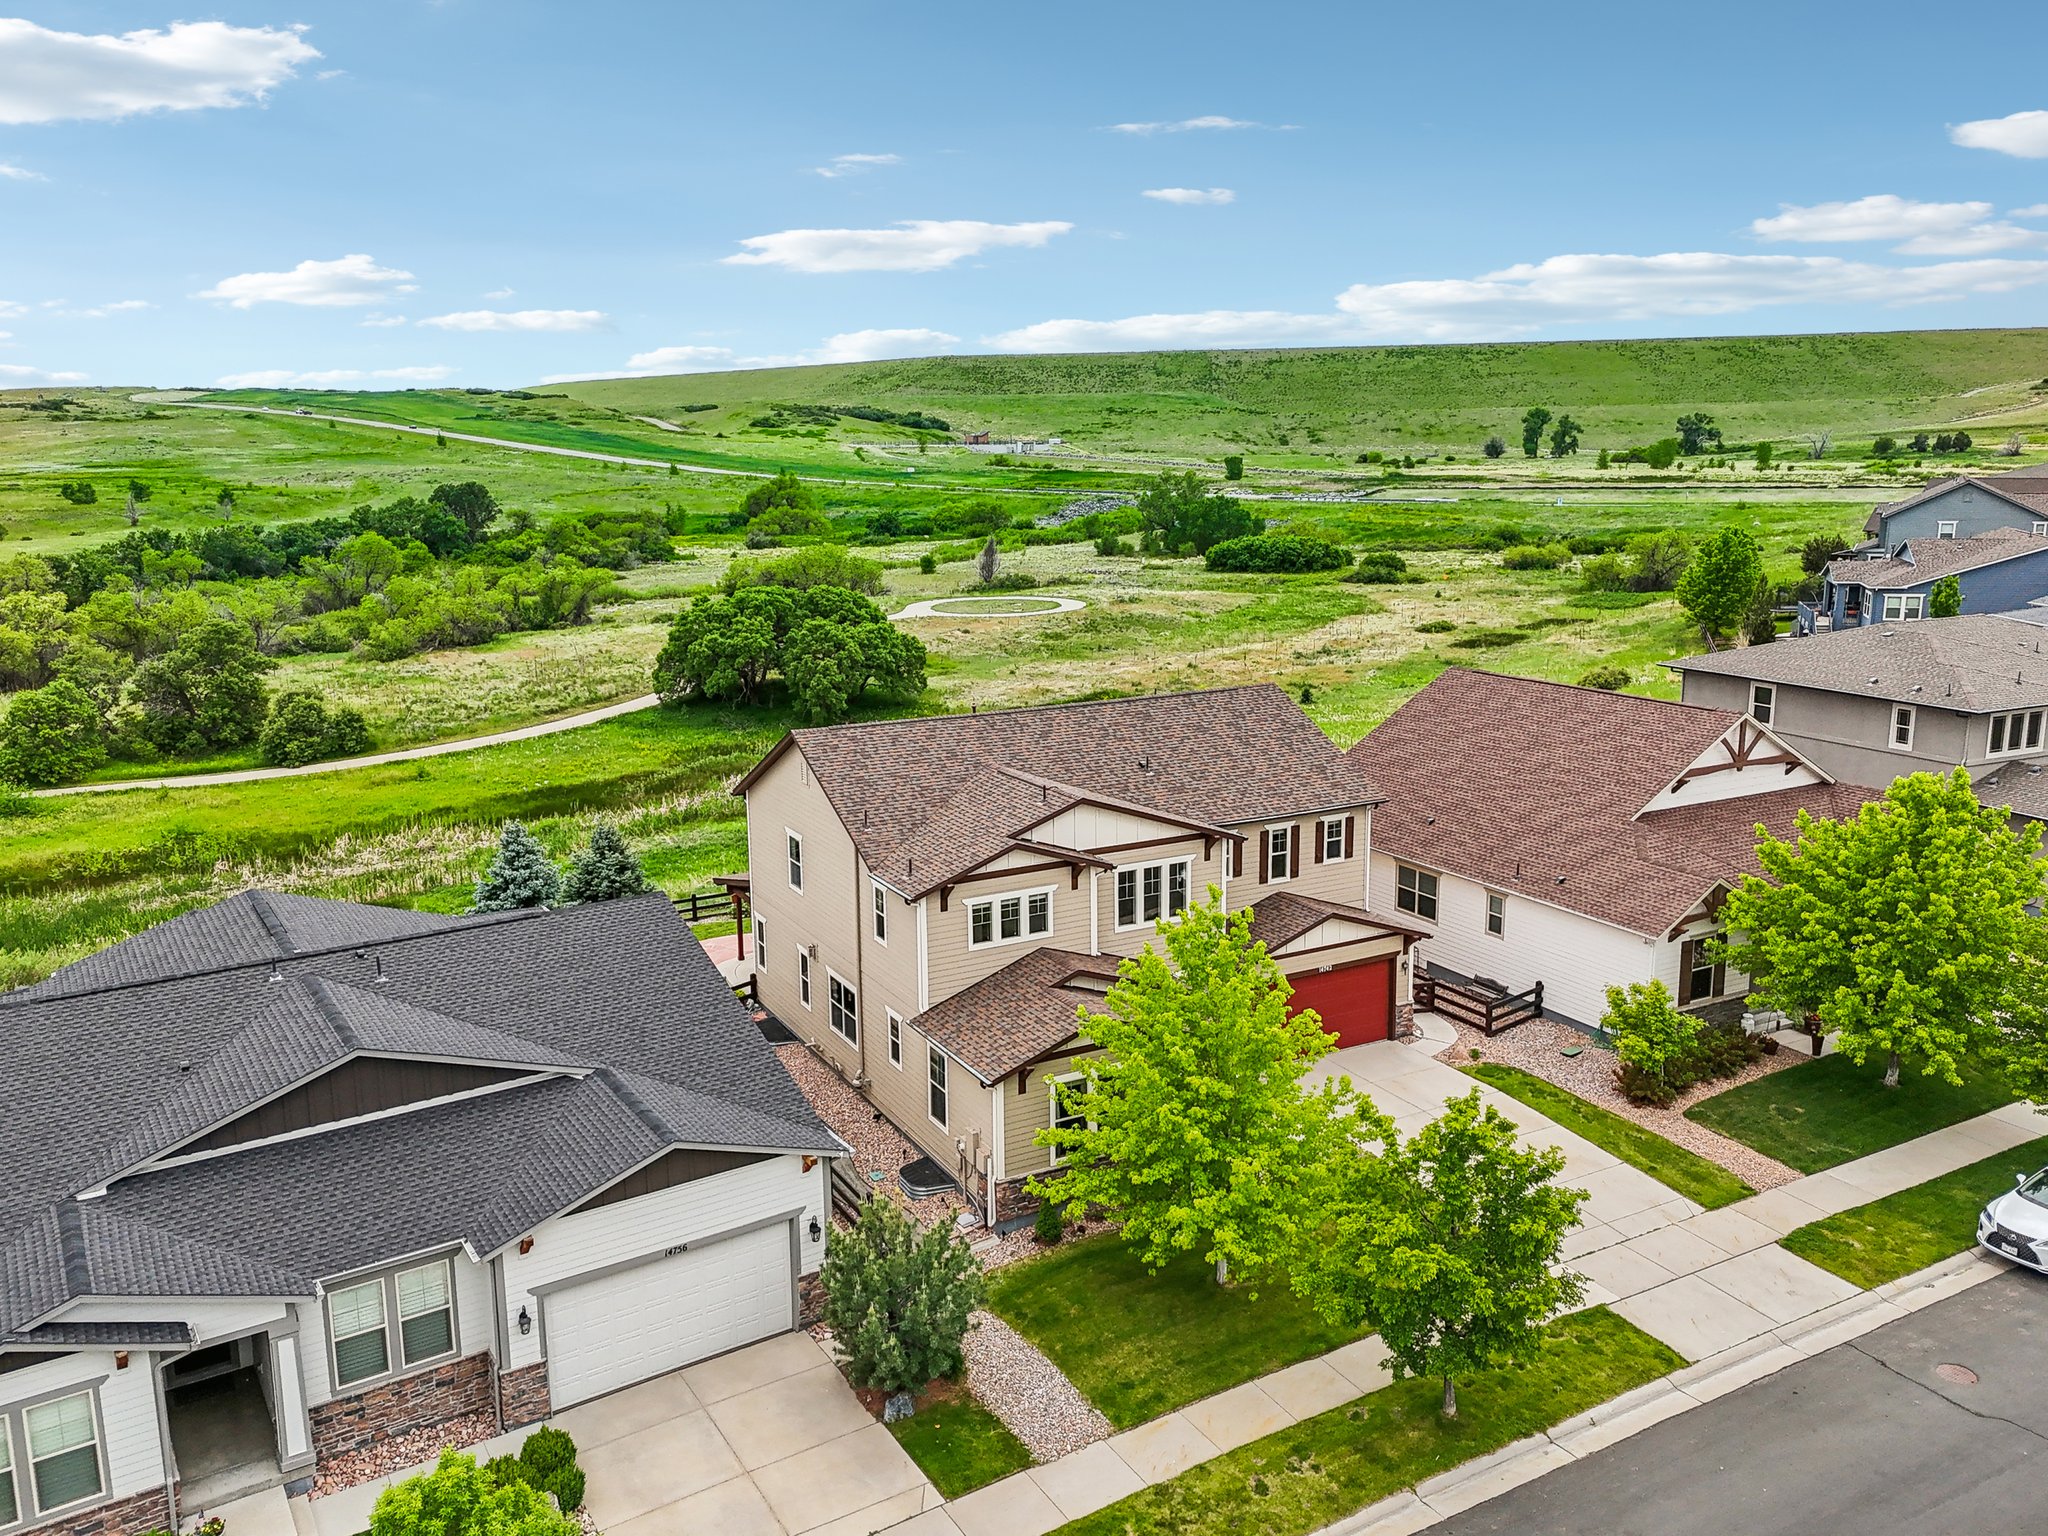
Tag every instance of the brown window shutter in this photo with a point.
(1294, 851)
(1317, 851)
(1720, 978)
(1685, 972)
(1265, 856)
(1350, 826)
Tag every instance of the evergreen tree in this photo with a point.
(898, 1301)
(521, 874)
(605, 869)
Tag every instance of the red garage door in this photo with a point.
(1355, 1001)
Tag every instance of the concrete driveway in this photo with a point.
(766, 1441)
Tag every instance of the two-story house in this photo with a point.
(935, 900)
(1998, 570)
(1873, 703)
(1964, 507)
(1583, 839)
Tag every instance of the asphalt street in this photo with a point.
(1873, 1437)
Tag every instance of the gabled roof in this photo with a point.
(1010, 1019)
(1924, 560)
(927, 799)
(1974, 663)
(641, 1047)
(1281, 917)
(2025, 489)
(1538, 789)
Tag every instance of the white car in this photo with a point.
(2015, 1226)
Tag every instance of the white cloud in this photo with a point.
(1581, 293)
(911, 245)
(2022, 134)
(1194, 125)
(867, 346)
(378, 321)
(520, 320)
(1925, 229)
(846, 347)
(9, 309)
(854, 165)
(102, 311)
(327, 378)
(499, 293)
(2034, 211)
(1191, 196)
(1977, 240)
(21, 373)
(324, 284)
(19, 173)
(47, 76)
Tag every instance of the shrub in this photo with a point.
(1648, 1031)
(545, 1452)
(301, 729)
(1609, 679)
(502, 1470)
(1380, 566)
(1233, 466)
(1884, 446)
(824, 565)
(51, 734)
(567, 1487)
(1535, 557)
(927, 563)
(898, 1301)
(1490, 639)
(1048, 1226)
(1276, 552)
(1494, 446)
(79, 493)
(458, 1498)
(1110, 544)
(1435, 627)
(1603, 573)
(1008, 581)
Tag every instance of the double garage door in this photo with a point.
(609, 1332)
(1355, 1001)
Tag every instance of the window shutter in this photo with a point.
(1317, 851)
(1350, 825)
(1265, 856)
(1720, 978)
(1685, 972)
(1294, 851)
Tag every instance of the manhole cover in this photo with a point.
(1959, 1375)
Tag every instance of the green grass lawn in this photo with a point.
(960, 1445)
(1879, 1242)
(1669, 1164)
(1821, 1113)
(1326, 1467)
(1139, 1345)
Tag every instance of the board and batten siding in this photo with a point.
(565, 1247)
(131, 1438)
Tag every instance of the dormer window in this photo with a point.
(1945, 530)
(1145, 893)
(1763, 700)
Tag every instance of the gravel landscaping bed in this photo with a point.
(1536, 1047)
(878, 1147)
(1030, 1394)
(400, 1452)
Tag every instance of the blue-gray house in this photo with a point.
(1963, 508)
(1998, 571)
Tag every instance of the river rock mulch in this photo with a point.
(399, 1452)
(1031, 1395)
(878, 1147)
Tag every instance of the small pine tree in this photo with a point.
(605, 869)
(899, 1301)
(521, 874)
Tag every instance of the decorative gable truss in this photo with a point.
(1081, 834)
(1747, 759)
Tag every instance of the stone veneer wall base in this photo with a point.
(523, 1396)
(419, 1401)
(139, 1512)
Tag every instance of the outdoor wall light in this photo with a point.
(816, 1230)
(525, 1321)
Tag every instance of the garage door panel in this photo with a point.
(1355, 1001)
(616, 1329)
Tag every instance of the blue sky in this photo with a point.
(395, 192)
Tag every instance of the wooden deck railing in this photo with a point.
(1488, 1012)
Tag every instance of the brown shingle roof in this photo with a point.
(1974, 662)
(926, 799)
(1534, 788)
(1015, 1016)
(1284, 916)
(1930, 559)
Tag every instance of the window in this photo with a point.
(1415, 891)
(881, 916)
(1904, 605)
(937, 1102)
(1279, 853)
(803, 975)
(1496, 914)
(1945, 530)
(10, 1491)
(2019, 731)
(895, 1042)
(1331, 832)
(1147, 892)
(1007, 919)
(1064, 1094)
(355, 1318)
(1233, 858)
(63, 1451)
(843, 1009)
(2040, 530)
(1902, 727)
(426, 1313)
(1699, 975)
(796, 861)
(1763, 699)
(760, 943)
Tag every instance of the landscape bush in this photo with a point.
(1276, 552)
(1608, 678)
(458, 1498)
(1535, 557)
(899, 1299)
(301, 728)
(1049, 1225)
(1379, 567)
(1663, 1051)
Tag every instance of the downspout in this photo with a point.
(1094, 911)
(501, 1343)
(862, 918)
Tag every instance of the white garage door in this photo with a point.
(624, 1327)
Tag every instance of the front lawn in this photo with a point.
(1821, 1113)
(960, 1445)
(1877, 1243)
(1324, 1468)
(1669, 1164)
(1139, 1345)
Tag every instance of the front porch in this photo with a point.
(222, 1424)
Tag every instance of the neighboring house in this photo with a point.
(1996, 571)
(1965, 507)
(1873, 703)
(283, 1179)
(1581, 839)
(935, 900)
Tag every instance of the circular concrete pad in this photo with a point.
(964, 607)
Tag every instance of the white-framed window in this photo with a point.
(1415, 891)
(1064, 1101)
(10, 1488)
(2040, 530)
(426, 1312)
(935, 1104)
(881, 918)
(803, 975)
(760, 942)
(63, 1452)
(1279, 853)
(895, 1041)
(1009, 918)
(1330, 830)
(1945, 529)
(1233, 858)
(362, 1342)
(2019, 731)
(1145, 893)
(842, 1009)
(1763, 701)
(795, 843)
(1496, 914)
(396, 1320)
(1899, 606)
(1902, 727)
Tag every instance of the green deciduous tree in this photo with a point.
(899, 1301)
(830, 645)
(1648, 1030)
(520, 874)
(1905, 928)
(301, 728)
(1946, 600)
(1697, 433)
(784, 490)
(1534, 420)
(1764, 455)
(51, 735)
(1721, 581)
(1233, 466)
(1564, 437)
(1200, 1136)
(207, 691)
(470, 504)
(1445, 1244)
(605, 869)
(1186, 517)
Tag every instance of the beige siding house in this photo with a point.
(934, 900)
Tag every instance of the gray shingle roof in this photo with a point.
(1925, 560)
(1974, 662)
(90, 1076)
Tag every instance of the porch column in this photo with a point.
(294, 1433)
